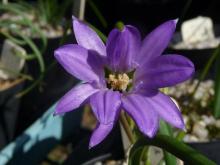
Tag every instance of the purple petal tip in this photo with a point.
(91, 145)
(56, 113)
(176, 20)
(180, 125)
(151, 134)
(183, 127)
(74, 18)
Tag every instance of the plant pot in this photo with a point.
(55, 84)
(9, 103)
(202, 128)
(210, 149)
(33, 146)
(110, 149)
(199, 57)
(9, 109)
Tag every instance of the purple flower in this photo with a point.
(126, 73)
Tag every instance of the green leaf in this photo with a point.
(140, 154)
(166, 129)
(207, 68)
(25, 56)
(175, 147)
(34, 49)
(25, 21)
(13, 39)
(135, 159)
(37, 30)
(169, 158)
(49, 67)
(217, 86)
(98, 13)
(22, 75)
(13, 7)
(180, 135)
(32, 86)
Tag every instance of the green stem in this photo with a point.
(185, 9)
(176, 147)
(34, 48)
(126, 127)
(49, 67)
(32, 86)
(22, 75)
(13, 39)
(144, 152)
(206, 69)
(98, 13)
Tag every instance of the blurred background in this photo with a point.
(31, 81)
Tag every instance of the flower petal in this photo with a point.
(142, 112)
(74, 98)
(167, 109)
(81, 63)
(87, 38)
(106, 107)
(163, 71)
(155, 43)
(100, 133)
(122, 46)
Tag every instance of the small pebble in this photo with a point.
(200, 131)
(217, 123)
(208, 120)
(190, 138)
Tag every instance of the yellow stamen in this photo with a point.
(118, 82)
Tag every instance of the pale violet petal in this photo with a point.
(87, 37)
(74, 98)
(106, 107)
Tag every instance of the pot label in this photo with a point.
(197, 30)
(11, 62)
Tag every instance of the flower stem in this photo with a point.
(207, 68)
(126, 127)
(173, 146)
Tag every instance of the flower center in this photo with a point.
(118, 82)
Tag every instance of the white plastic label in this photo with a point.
(198, 29)
(10, 63)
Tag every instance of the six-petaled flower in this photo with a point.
(127, 74)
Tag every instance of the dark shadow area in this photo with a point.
(9, 109)
(147, 14)
(210, 149)
(72, 134)
(35, 155)
(110, 148)
(54, 85)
